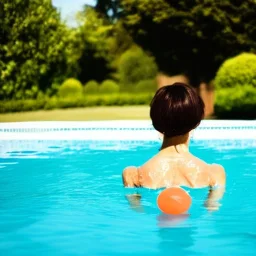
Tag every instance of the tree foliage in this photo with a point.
(38, 51)
(32, 47)
(108, 8)
(134, 66)
(101, 43)
(191, 37)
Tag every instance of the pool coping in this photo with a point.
(121, 130)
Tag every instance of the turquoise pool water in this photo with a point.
(67, 198)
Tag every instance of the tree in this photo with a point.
(135, 66)
(93, 34)
(191, 37)
(101, 43)
(32, 48)
(108, 8)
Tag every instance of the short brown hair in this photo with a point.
(176, 109)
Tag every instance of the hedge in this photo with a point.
(84, 101)
(236, 103)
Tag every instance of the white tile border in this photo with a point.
(121, 130)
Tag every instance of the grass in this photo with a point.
(80, 114)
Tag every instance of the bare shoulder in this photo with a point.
(218, 174)
(216, 168)
(215, 172)
(130, 174)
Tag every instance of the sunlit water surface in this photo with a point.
(67, 198)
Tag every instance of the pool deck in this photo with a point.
(80, 114)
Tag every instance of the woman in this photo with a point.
(176, 110)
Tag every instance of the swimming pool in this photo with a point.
(61, 191)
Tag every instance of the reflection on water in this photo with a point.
(177, 240)
(171, 221)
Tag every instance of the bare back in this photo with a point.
(177, 169)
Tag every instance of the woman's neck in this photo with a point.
(178, 143)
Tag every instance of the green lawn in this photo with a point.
(80, 114)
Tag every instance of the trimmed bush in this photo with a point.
(135, 65)
(236, 103)
(109, 86)
(71, 88)
(91, 87)
(237, 71)
(146, 86)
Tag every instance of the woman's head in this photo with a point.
(176, 109)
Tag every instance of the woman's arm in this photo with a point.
(217, 187)
(131, 177)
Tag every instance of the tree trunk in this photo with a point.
(206, 91)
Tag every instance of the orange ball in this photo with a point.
(174, 201)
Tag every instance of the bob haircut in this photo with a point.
(176, 109)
